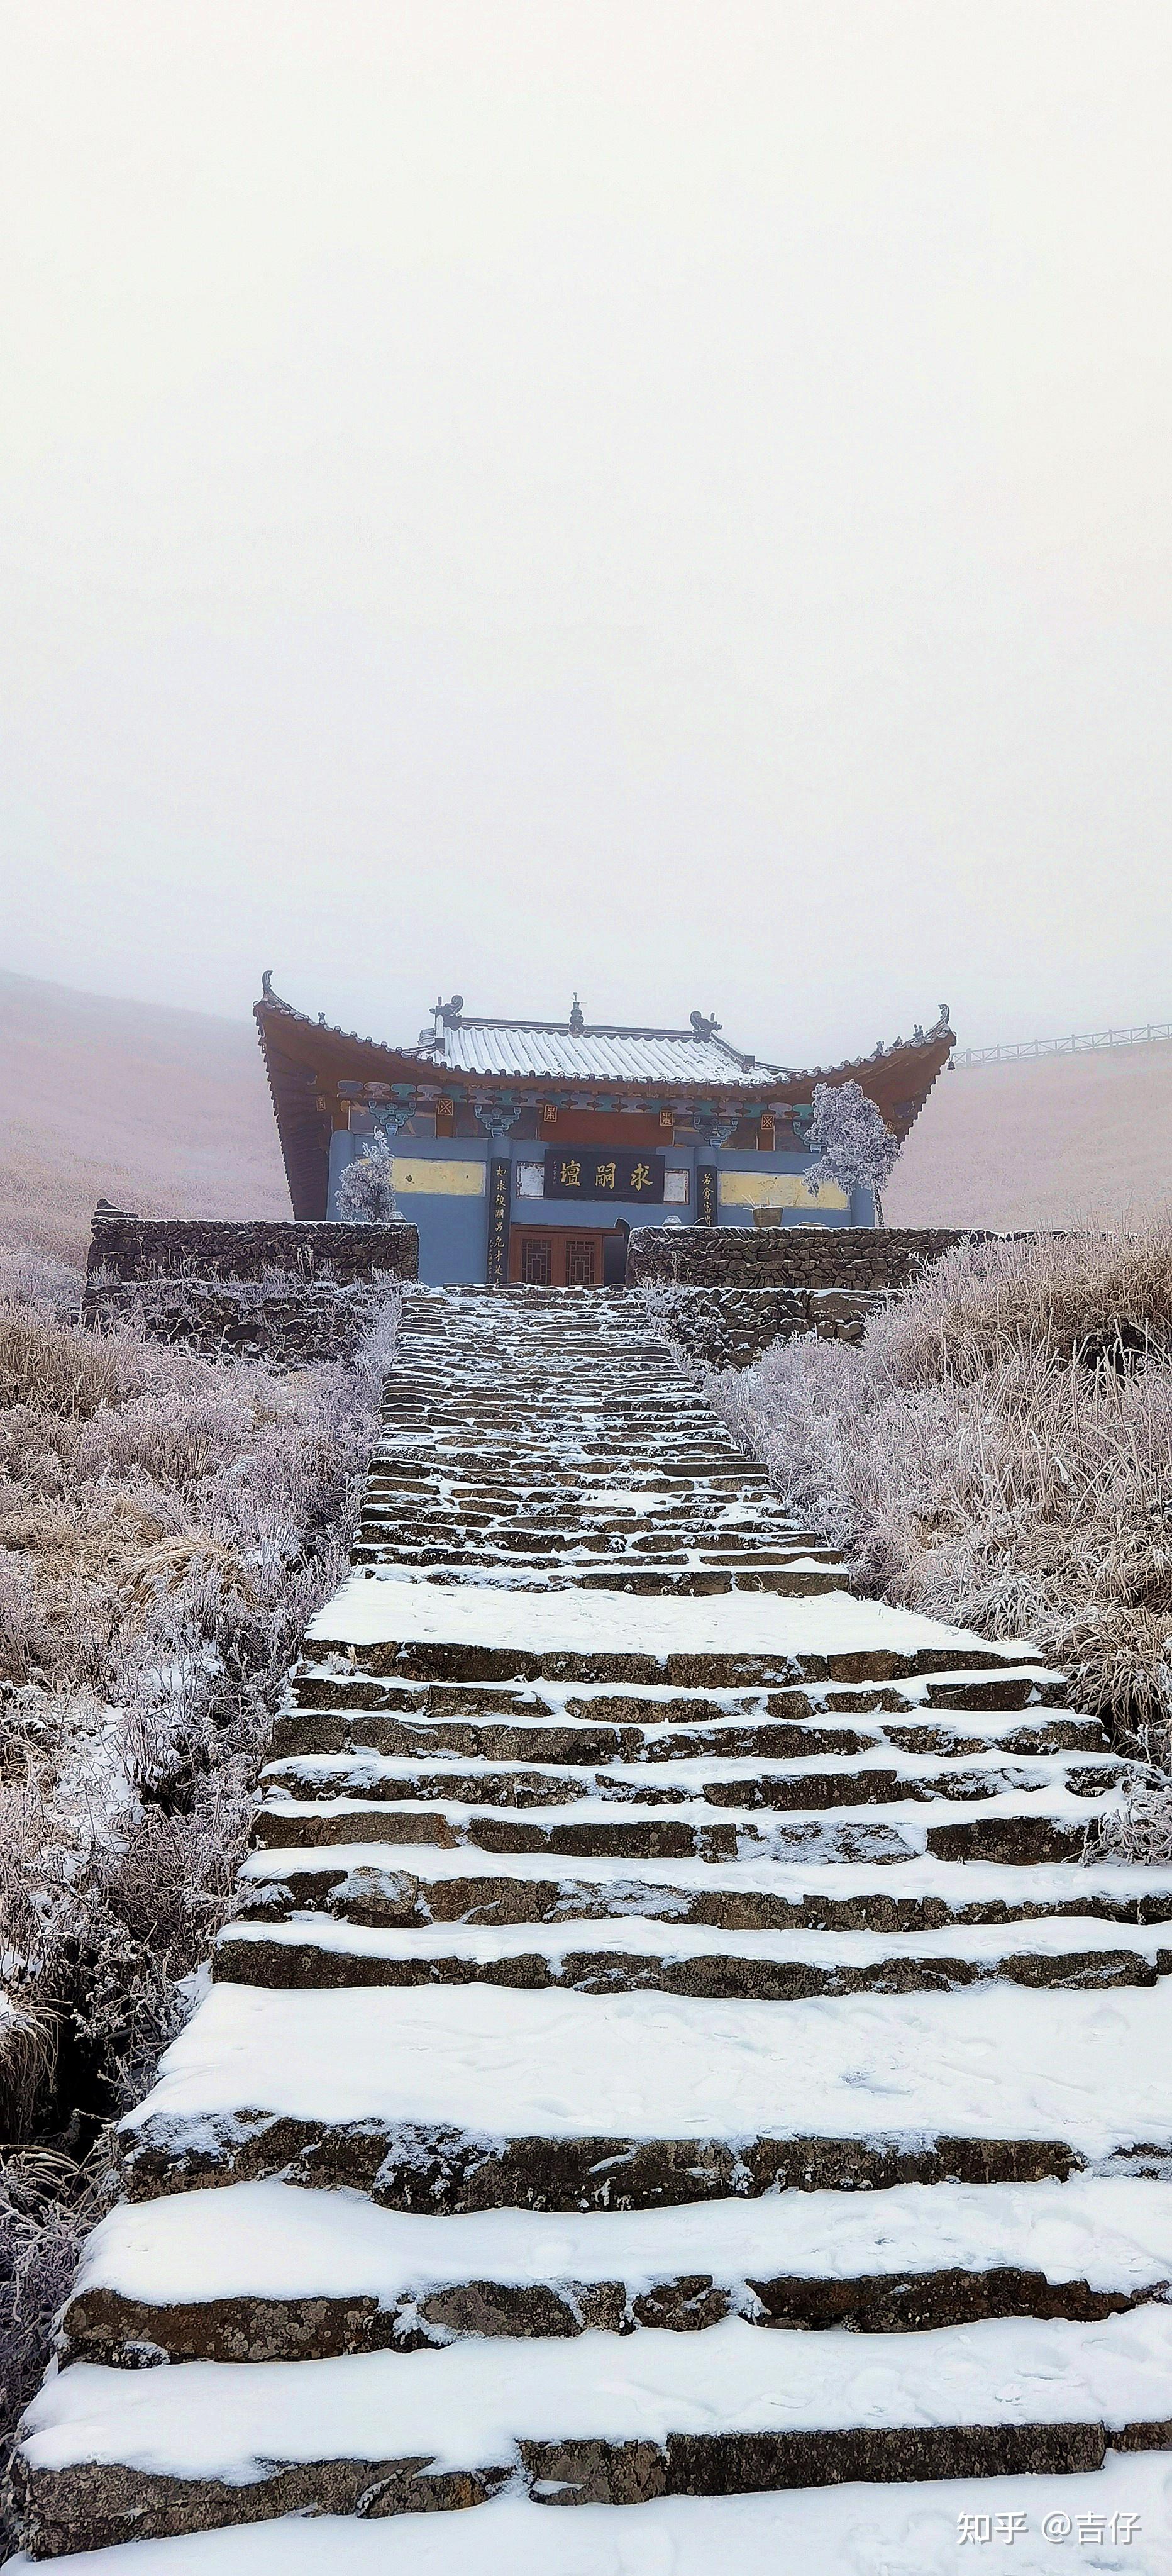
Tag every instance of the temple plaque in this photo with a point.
(601, 1172)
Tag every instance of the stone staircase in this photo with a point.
(676, 2046)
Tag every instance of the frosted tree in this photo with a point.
(366, 1191)
(854, 1148)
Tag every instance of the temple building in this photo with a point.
(526, 1149)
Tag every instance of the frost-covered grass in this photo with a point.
(167, 1526)
(998, 1453)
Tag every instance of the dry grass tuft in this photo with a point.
(999, 1453)
(167, 1526)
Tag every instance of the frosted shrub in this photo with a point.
(1144, 1831)
(167, 1527)
(366, 1191)
(48, 2203)
(998, 1453)
(33, 1278)
(854, 1148)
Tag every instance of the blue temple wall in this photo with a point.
(861, 1210)
(453, 1230)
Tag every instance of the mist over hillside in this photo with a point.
(168, 1112)
(160, 1110)
(1065, 1140)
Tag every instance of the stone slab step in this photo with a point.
(1117, 2518)
(790, 1582)
(432, 1541)
(640, 1954)
(265, 2271)
(538, 1736)
(422, 1883)
(336, 1682)
(1016, 1826)
(110, 2453)
(429, 1631)
(445, 2098)
(813, 1784)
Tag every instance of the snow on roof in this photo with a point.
(588, 1054)
(696, 1058)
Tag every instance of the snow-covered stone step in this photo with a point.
(533, 1436)
(640, 1953)
(537, 1735)
(470, 1633)
(812, 1782)
(623, 1512)
(593, 1549)
(1114, 2521)
(265, 2271)
(154, 2451)
(798, 1581)
(595, 1507)
(528, 1439)
(627, 1511)
(586, 1542)
(1016, 1825)
(512, 1480)
(446, 2098)
(423, 1883)
(335, 1681)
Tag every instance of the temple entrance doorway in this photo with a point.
(560, 1257)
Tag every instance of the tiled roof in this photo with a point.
(552, 1048)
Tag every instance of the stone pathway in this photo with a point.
(670, 2052)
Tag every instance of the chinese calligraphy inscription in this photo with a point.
(604, 1175)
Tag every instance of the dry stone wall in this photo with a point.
(730, 1327)
(289, 1323)
(788, 1257)
(290, 1294)
(135, 1247)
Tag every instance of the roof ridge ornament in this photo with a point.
(704, 1025)
(577, 1020)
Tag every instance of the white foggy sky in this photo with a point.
(667, 499)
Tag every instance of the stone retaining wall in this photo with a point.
(289, 1323)
(790, 1256)
(288, 1294)
(730, 1327)
(137, 1248)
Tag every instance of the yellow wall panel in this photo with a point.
(777, 1189)
(436, 1178)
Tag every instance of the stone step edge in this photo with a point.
(266, 2271)
(420, 2166)
(600, 1889)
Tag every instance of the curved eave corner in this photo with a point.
(302, 1128)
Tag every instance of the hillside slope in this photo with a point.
(160, 1110)
(1064, 1141)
